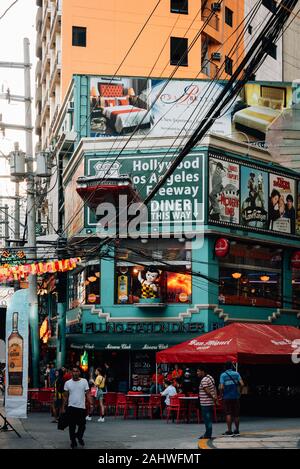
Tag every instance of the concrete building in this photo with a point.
(90, 101)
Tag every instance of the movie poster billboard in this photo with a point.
(224, 199)
(254, 197)
(281, 206)
(16, 378)
(298, 211)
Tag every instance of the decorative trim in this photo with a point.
(280, 311)
(180, 318)
(273, 317)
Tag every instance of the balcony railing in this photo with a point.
(54, 117)
(55, 20)
(214, 21)
(55, 71)
(209, 69)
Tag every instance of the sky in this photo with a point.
(17, 24)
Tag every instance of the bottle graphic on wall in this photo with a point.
(15, 360)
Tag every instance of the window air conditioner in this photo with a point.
(216, 6)
(216, 56)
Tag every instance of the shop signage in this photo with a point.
(179, 201)
(125, 346)
(144, 327)
(17, 342)
(296, 260)
(248, 195)
(222, 247)
(12, 257)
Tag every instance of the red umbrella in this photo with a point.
(238, 342)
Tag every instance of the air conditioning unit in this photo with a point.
(71, 106)
(216, 56)
(216, 6)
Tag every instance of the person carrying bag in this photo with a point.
(100, 385)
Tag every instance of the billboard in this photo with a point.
(158, 107)
(224, 201)
(254, 197)
(282, 200)
(17, 355)
(178, 201)
(248, 195)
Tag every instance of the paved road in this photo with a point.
(37, 431)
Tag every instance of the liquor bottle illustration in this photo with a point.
(15, 360)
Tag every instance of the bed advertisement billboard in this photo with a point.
(158, 107)
(252, 197)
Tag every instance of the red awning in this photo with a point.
(237, 342)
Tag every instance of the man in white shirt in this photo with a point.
(170, 391)
(75, 390)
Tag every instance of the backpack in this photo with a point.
(102, 384)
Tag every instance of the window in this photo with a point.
(251, 276)
(228, 16)
(173, 281)
(180, 6)
(296, 287)
(78, 36)
(228, 65)
(179, 51)
(272, 50)
(270, 5)
(84, 286)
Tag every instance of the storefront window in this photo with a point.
(84, 286)
(296, 287)
(167, 263)
(251, 275)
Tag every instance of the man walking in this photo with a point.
(208, 398)
(230, 385)
(75, 390)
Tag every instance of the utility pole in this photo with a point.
(31, 209)
(31, 221)
(4, 221)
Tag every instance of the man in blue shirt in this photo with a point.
(230, 384)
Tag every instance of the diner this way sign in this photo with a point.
(177, 202)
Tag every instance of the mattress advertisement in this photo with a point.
(158, 107)
(151, 107)
(258, 106)
(254, 197)
(224, 199)
(281, 209)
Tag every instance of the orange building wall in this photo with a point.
(112, 28)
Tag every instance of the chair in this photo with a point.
(131, 403)
(177, 406)
(110, 401)
(193, 407)
(154, 403)
(45, 399)
(120, 403)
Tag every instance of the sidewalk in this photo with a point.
(37, 431)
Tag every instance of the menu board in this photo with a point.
(142, 367)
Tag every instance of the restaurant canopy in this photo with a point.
(238, 342)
